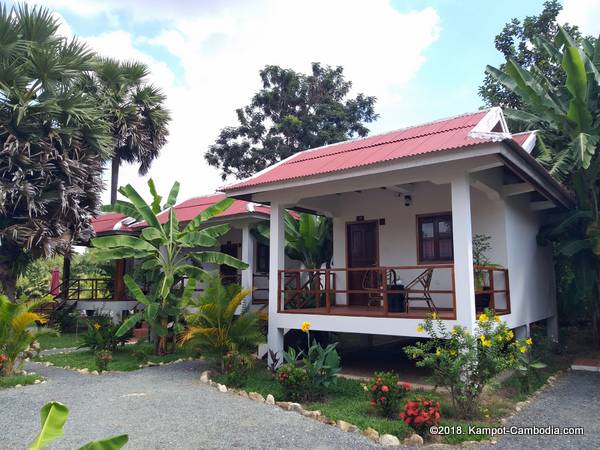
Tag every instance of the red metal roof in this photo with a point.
(442, 135)
(109, 222)
(187, 210)
(520, 138)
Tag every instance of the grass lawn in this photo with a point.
(347, 401)
(64, 340)
(125, 359)
(13, 380)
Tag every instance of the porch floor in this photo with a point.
(372, 311)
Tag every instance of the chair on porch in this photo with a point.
(421, 284)
(372, 283)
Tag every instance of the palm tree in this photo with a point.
(165, 251)
(214, 327)
(135, 111)
(53, 141)
(568, 116)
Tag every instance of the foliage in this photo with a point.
(103, 359)
(17, 331)
(528, 371)
(62, 340)
(465, 362)
(385, 392)
(237, 366)
(53, 418)
(420, 414)
(294, 382)
(134, 110)
(308, 239)
(291, 113)
(515, 41)
(165, 252)
(23, 380)
(53, 141)
(214, 328)
(102, 333)
(568, 115)
(481, 245)
(321, 365)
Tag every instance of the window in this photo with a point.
(435, 238)
(262, 258)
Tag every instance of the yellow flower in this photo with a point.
(509, 335)
(483, 318)
(420, 328)
(453, 353)
(485, 341)
(455, 330)
(97, 326)
(522, 349)
(305, 327)
(528, 341)
(434, 316)
(497, 319)
(438, 352)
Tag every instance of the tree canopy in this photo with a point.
(517, 41)
(53, 141)
(292, 112)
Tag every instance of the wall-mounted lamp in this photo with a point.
(407, 200)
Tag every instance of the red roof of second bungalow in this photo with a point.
(110, 222)
(188, 209)
(443, 135)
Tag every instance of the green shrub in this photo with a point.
(102, 333)
(385, 392)
(294, 382)
(103, 358)
(237, 366)
(420, 414)
(465, 362)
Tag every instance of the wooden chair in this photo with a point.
(421, 283)
(372, 284)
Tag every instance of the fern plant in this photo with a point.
(214, 328)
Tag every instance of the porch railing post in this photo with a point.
(507, 288)
(327, 291)
(279, 308)
(385, 291)
(492, 293)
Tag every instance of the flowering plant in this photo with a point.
(102, 333)
(237, 366)
(385, 391)
(293, 380)
(465, 362)
(421, 414)
(103, 358)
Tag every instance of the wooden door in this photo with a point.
(362, 251)
(229, 274)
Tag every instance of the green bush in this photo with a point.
(103, 359)
(237, 366)
(294, 382)
(385, 393)
(102, 333)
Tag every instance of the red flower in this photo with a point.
(406, 386)
(374, 388)
(384, 388)
(373, 402)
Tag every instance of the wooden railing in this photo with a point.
(92, 289)
(318, 290)
(488, 274)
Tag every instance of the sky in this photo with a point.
(423, 60)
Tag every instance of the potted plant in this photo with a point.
(481, 245)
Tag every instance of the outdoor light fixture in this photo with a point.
(407, 200)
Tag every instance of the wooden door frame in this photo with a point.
(356, 222)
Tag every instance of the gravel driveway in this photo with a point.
(164, 407)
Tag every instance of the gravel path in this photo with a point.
(573, 401)
(167, 407)
(160, 407)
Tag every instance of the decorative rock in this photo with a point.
(37, 381)
(413, 439)
(343, 425)
(95, 372)
(222, 388)
(284, 405)
(312, 414)
(270, 399)
(256, 396)
(389, 440)
(470, 444)
(242, 393)
(204, 376)
(372, 434)
(18, 385)
(297, 407)
(84, 370)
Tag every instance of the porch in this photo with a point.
(393, 292)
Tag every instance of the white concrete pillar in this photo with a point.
(247, 257)
(276, 262)
(463, 251)
(552, 328)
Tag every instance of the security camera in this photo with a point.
(407, 200)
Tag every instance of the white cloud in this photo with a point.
(583, 13)
(222, 47)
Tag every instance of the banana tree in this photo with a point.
(568, 117)
(166, 252)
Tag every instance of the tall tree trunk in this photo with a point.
(66, 274)
(114, 179)
(8, 281)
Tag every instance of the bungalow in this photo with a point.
(110, 294)
(406, 207)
